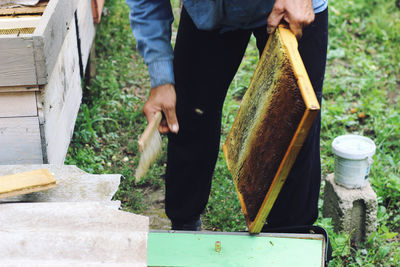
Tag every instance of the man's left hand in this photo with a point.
(297, 13)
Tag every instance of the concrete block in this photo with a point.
(73, 184)
(352, 210)
(71, 234)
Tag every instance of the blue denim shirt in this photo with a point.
(151, 25)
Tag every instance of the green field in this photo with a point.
(361, 95)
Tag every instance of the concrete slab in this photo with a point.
(73, 233)
(74, 216)
(73, 184)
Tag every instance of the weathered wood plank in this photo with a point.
(9, 89)
(82, 232)
(61, 99)
(18, 104)
(50, 34)
(73, 184)
(20, 22)
(38, 9)
(40, 60)
(86, 29)
(17, 62)
(26, 182)
(20, 141)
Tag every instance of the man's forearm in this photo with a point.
(151, 26)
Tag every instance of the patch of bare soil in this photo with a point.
(155, 211)
(393, 96)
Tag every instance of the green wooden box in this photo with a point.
(236, 249)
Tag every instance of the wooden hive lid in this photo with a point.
(272, 123)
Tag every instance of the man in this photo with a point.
(189, 86)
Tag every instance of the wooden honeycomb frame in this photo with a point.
(272, 123)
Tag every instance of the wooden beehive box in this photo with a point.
(275, 115)
(187, 248)
(40, 81)
(30, 42)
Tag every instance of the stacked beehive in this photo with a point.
(43, 54)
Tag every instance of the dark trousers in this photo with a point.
(205, 63)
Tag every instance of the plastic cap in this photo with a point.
(353, 147)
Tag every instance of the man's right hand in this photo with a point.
(162, 98)
(298, 13)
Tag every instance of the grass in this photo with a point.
(361, 95)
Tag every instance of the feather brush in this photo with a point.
(149, 146)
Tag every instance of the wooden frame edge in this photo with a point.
(25, 88)
(242, 205)
(45, 18)
(225, 150)
(290, 42)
